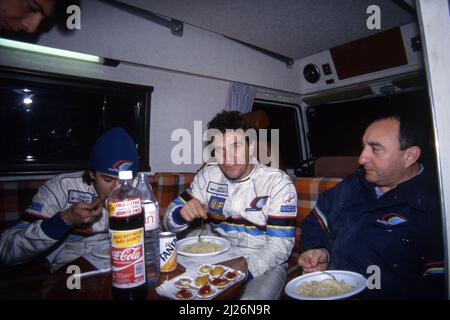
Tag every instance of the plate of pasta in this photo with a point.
(208, 246)
(320, 286)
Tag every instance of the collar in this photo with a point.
(378, 191)
(250, 175)
(419, 192)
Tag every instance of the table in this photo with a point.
(99, 286)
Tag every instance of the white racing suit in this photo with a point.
(43, 230)
(256, 213)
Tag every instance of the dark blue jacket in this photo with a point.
(400, 232)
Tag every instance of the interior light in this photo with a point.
(27, 101)
(12, 44)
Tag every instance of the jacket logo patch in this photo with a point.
(257, 204)
(215, 205)
(290, 198)
(392, 219)
(217, 188)
(288, 208)
(36, 206)
(121, 165)
(76, 196)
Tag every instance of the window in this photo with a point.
(285, 118)
(336, 129)
(50, 123)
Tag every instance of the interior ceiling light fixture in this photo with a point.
(24, 46)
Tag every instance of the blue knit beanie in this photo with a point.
(114, 151)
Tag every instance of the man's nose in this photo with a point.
(31, 22)
(230, 157)
(364, 157)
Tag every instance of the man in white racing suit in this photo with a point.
(67, 213)
(248, 203)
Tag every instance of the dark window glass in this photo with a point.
(336, 129)
(284, 117)
(50, 123)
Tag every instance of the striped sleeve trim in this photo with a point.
(183, 198)
(280, 231)
(432, 271)
(281, 226)
(238, 227)
(288, 221)
(435, 267)
(321, 218)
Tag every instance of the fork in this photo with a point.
(326, 272)
(199, 235)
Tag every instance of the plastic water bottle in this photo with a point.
(150, 209)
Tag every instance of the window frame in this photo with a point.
(299, 125)
(142, 129)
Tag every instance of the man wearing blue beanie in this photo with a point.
(68, 209)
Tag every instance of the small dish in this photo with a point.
(220, 282)
(200, 281)
(206, 291)
(233, 275)
(183, 282)
(204, 269)
(184, 294)
(217, 271)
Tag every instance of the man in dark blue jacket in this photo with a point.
(385, 217)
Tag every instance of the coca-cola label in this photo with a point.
(124, 208)
(127, 258)
(151, 213)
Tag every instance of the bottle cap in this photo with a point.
(126, 175)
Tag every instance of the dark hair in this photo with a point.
(87, 178)
(232, 120)
(228, 120)
(411, 132)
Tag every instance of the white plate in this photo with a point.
(224, 242)
(102, 250)
(352, 278)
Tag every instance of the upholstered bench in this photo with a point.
(308, 191)
(15, 196)
(166, 186)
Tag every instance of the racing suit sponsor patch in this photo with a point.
(288, 208)
(36, 206)
(216, 204)
(217, 189)
(257, 204)
(290, 198)
(76, 196)
(392, 219)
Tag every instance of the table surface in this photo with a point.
(99, 286)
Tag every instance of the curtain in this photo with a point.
(240, 97)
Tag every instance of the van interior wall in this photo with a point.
(190, 74)
(113, 33)
(177, 100)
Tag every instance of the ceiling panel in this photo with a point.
(294, 28)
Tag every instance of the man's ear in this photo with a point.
(412, 155)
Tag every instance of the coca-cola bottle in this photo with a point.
(150, 208)
(126, 229)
